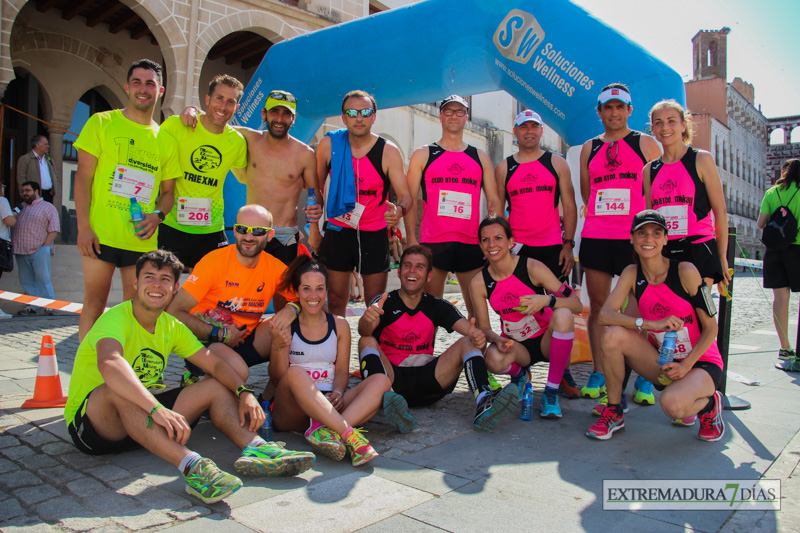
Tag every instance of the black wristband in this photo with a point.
(552, 304)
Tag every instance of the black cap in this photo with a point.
(648, 216)
(454, 98)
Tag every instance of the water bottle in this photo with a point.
(666, 354)
(265, 431)
(136, 212)
(527, 403)
(311, 199)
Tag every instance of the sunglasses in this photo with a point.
(353, 113)
(612, 160)
(456, 112)
(257, 231)
(286, 97)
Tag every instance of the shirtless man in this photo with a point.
(279, 166)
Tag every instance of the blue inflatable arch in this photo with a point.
(551, 55)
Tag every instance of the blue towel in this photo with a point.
(342, 188)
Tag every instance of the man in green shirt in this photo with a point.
(119, 165)
(200, 158)
(110, 409)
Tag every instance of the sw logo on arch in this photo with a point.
(518, 36)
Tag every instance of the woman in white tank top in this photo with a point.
(310, 366)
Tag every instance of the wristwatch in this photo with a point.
(639, 323)
(244, 388)
(161, 216)
(571, 242)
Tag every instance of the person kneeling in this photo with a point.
(110, 409)
(397, 339)
(310, 366)
(672, 296)
(535, 309)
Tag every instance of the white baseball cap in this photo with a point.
(614, 93)
(528, 116)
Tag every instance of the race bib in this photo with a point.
(522, 330)
(682, 346)
(516, 248)
(455, 204)
(677, 219)
(320, 373)
(612, 202)
(130, 182)
(194, 211)
(353, 217)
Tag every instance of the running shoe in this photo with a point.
(598, 409)
(550, 407)
(210, 484)
(521, 380)
(786, 353)
(493, 384)
(712, 427)
(273, 460)
(189, 379)
(643, 392)
(395, 409)
(495, 406)
(610, 422)
(326, 442)
(686, 422)
(568, 387)
(595, 386)
(360, 450)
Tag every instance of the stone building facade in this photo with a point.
(735, 132)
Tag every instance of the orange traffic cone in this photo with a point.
(47, 392)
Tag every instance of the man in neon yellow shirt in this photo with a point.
(119, 165)
(200, 158)
(110, 409)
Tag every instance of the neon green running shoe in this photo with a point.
(643, 392)
(208, 483)
(326, 442)
(188, 379)
(273, 460)
(360, 450)
(595, 386)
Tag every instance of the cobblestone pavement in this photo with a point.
(45, 485)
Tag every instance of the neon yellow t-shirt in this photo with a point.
(199, 160)
(146, 352)
(128, 164)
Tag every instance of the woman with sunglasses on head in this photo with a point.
(684, 186)
(309, 366)
(535, 308)
(671, 296)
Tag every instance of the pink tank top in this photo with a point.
(532, 195)
(657, 302)
(372, 188)
(678, 193)
(451, 194)
(504, 296)
(616, 193)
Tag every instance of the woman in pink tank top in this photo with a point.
(536, 312)
(684, 186)
(671, 297)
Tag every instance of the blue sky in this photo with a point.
(763, 45)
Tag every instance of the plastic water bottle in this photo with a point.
(311, 199)
(527, 403)
(265, 431)
(667, 353)
(136, 212)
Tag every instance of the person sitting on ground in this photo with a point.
(109, 408)
(672, 296)
(228, 292)
(310, 367)
(535, 308)
(397, 339)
